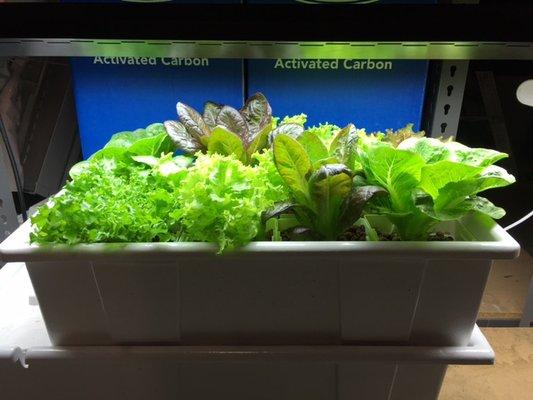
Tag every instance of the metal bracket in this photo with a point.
(447, 108)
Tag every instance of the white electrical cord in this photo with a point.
(523, 219)
(524, 94)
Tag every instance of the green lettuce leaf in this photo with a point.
(123, 146)
(398, 171)
(325, 198)
(299, 119)
(315, 148)
(225, 142)
(260, 140)
(294, 165)
(435, 150)
(430, 180)
(329, 187)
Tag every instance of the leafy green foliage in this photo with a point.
(122, 193)
(221, 201)
(254, 177)
(429, 180)
(329, 144)
(294, 167)
(106, 203)
(326, 199)
(223, 141)
(223, 129)
(325, 132)
(400, 135)
(314, 147)
(299, 119)
(126, 193)
(267, 173)
(152, 141)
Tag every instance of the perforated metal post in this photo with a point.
(447, 109)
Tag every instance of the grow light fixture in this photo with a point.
(261, 49)
(268, 31)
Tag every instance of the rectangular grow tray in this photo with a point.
(268, 293)
(239, 373)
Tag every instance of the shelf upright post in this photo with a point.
(449, 99)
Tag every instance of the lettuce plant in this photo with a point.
(268, 175)
(227, 131)
(429, 180)
(151, 141)
(252, 175)
(326, 143)
(298, 119)
(223, 129)
(221, 201)
(114, 197)
(108, 203)
(326, 198)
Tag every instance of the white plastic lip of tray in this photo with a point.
(477, 352)
(488, 241)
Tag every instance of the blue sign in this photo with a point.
(372, 94)
(125, 93)
(115, 94)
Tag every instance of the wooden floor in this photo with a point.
(511, 378)
(506, 290)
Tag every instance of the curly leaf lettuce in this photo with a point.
(114, 197)
(275, 189)
(107, 204)
(221, 201)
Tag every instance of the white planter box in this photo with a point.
(239, 373)
(416, 293)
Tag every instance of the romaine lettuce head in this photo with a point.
(123, 146)
(429, 180)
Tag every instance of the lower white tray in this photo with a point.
(34, 369)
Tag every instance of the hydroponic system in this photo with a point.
(250, 177)
(243, 253)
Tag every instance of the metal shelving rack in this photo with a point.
(452, 33)
(275, 31)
